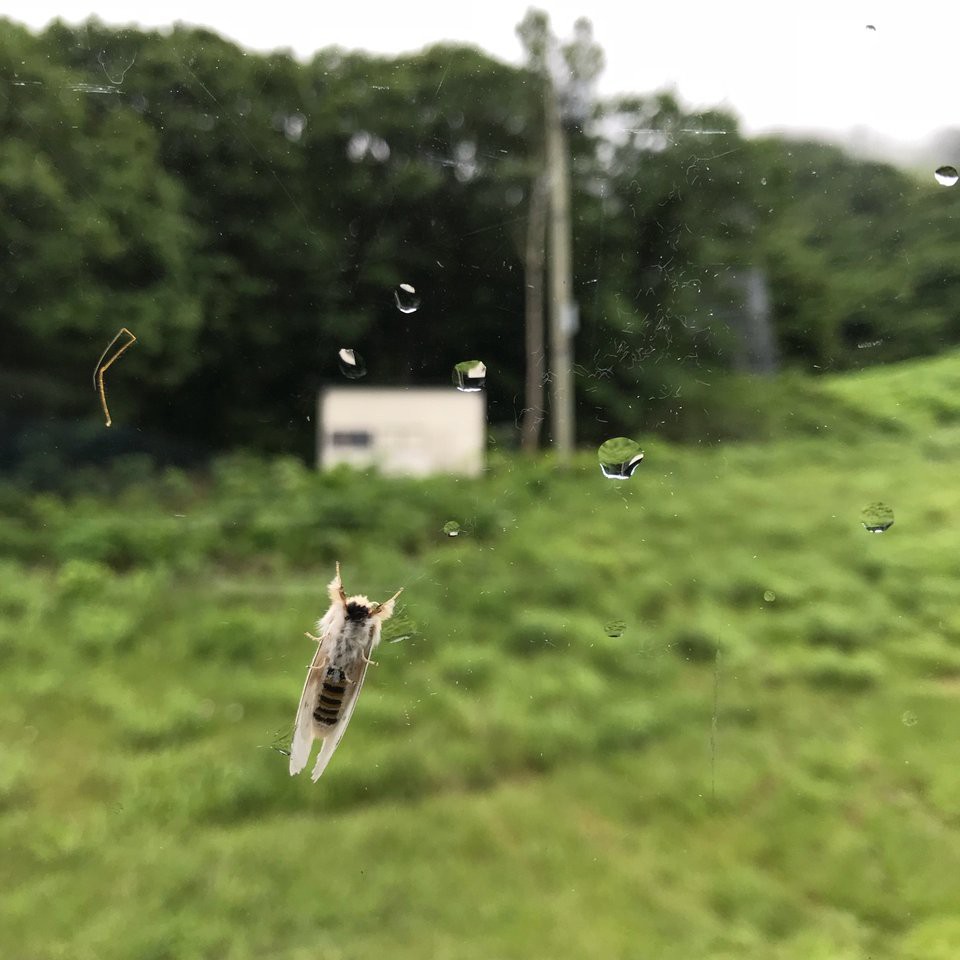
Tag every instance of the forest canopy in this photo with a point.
(247, 216)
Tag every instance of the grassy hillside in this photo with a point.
(699, 714)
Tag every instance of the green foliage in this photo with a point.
(97, 231)
(246, 216)
(780, 677)
(854, 252)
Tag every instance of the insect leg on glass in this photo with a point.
(348, 633)
(101, 368)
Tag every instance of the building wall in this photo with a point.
(415, 432)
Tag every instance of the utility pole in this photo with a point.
(534, 256)
(562, 309)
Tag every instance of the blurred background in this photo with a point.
(393, 280)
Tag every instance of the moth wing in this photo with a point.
(303, 730)
(332, 741)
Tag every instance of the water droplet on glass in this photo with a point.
(877, 517)
(614, 628)
(619, 457)
(769, 596)
(293, 127)
(451, 528)
(469, 376)
(407, 299)
(908, 718)
(234, 712)
(358, 145)
(351, 364)
(946, 176)
(763, 181)
(379, 149)
(514, 196)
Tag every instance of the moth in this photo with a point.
(348, 634)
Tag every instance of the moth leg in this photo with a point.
(365, 659)
(310, 636)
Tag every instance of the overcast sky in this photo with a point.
(777, 64)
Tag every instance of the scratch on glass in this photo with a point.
(91, 88)
(714, 724)
(123, 72)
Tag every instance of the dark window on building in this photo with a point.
(351, 438)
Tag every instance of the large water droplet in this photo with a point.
(769, 596)
(619, 457)
(877, 517)
(614, 628)
(469, 376)
(451, 528)
(407, 299)
(351, 364)
(946, 176)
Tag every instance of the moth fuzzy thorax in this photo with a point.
(348, 633)
(358, 609)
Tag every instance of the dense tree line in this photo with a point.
(247, 215)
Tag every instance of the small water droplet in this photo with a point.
(614, 628)
(351, 364)
(946, 176)
(769, 596)
(876, 517)
(763, 181)
(451, 528)
(406, 298)
(206, 709)
(908, 718)
(293, 126)
(469, 376)
(619, 457)
(234, 712)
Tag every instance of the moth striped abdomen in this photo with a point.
(330, 697)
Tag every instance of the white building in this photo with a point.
(416, 431)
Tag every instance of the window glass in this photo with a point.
(625, 346)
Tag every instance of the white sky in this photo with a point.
(807, 65)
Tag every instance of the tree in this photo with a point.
(96, 236)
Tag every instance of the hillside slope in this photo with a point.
(698, 714)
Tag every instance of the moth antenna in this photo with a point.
(386, 603)
(335, 588)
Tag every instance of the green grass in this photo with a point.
(762, 765)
